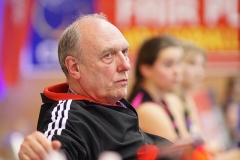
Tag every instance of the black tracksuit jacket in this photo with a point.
(87, 128)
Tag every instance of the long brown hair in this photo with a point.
(148, 54)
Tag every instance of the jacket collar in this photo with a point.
(60, 92)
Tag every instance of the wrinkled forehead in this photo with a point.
(100, 34)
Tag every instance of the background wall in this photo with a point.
(30, 31)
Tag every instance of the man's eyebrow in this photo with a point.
(107, 50)
(127, 47)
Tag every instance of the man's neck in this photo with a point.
(71, 91)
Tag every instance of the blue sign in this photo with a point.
(49, 19)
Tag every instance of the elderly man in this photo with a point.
(88, 115)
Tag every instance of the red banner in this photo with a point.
(213, 24)
(15, 29)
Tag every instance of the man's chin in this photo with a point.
(122, 94)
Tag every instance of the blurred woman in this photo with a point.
(232, 110)
(158, 71)
(193, 72)
(166, 66)
(203, 117)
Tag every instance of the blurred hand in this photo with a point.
(36, 147)
(56, 155)
(233, 154)
(109, 155)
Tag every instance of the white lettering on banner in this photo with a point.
(157, 12)
(123, 12)
(216, 9)
(185, 11)
(149, 12)
(175, 12)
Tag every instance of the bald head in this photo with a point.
(93, 54)
(70, 41)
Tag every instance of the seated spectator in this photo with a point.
(193, 72)
(231, 110)
(87, 115)
(157, 72)
(202, 114)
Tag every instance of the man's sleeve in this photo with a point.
(59, 128)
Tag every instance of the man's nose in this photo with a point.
(123, 63)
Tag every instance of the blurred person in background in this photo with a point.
(157, 72)
(203, 117)
(163, 64)
(231, 110)
(194, 96)
(193, 72)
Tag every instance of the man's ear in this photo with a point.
(73, 67)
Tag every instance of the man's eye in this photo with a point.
(108, 58)
(109, 55)
(125, 51)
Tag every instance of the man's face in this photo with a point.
(105, 63)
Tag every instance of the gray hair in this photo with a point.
(69, 43)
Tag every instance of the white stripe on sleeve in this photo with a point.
(59, 114)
